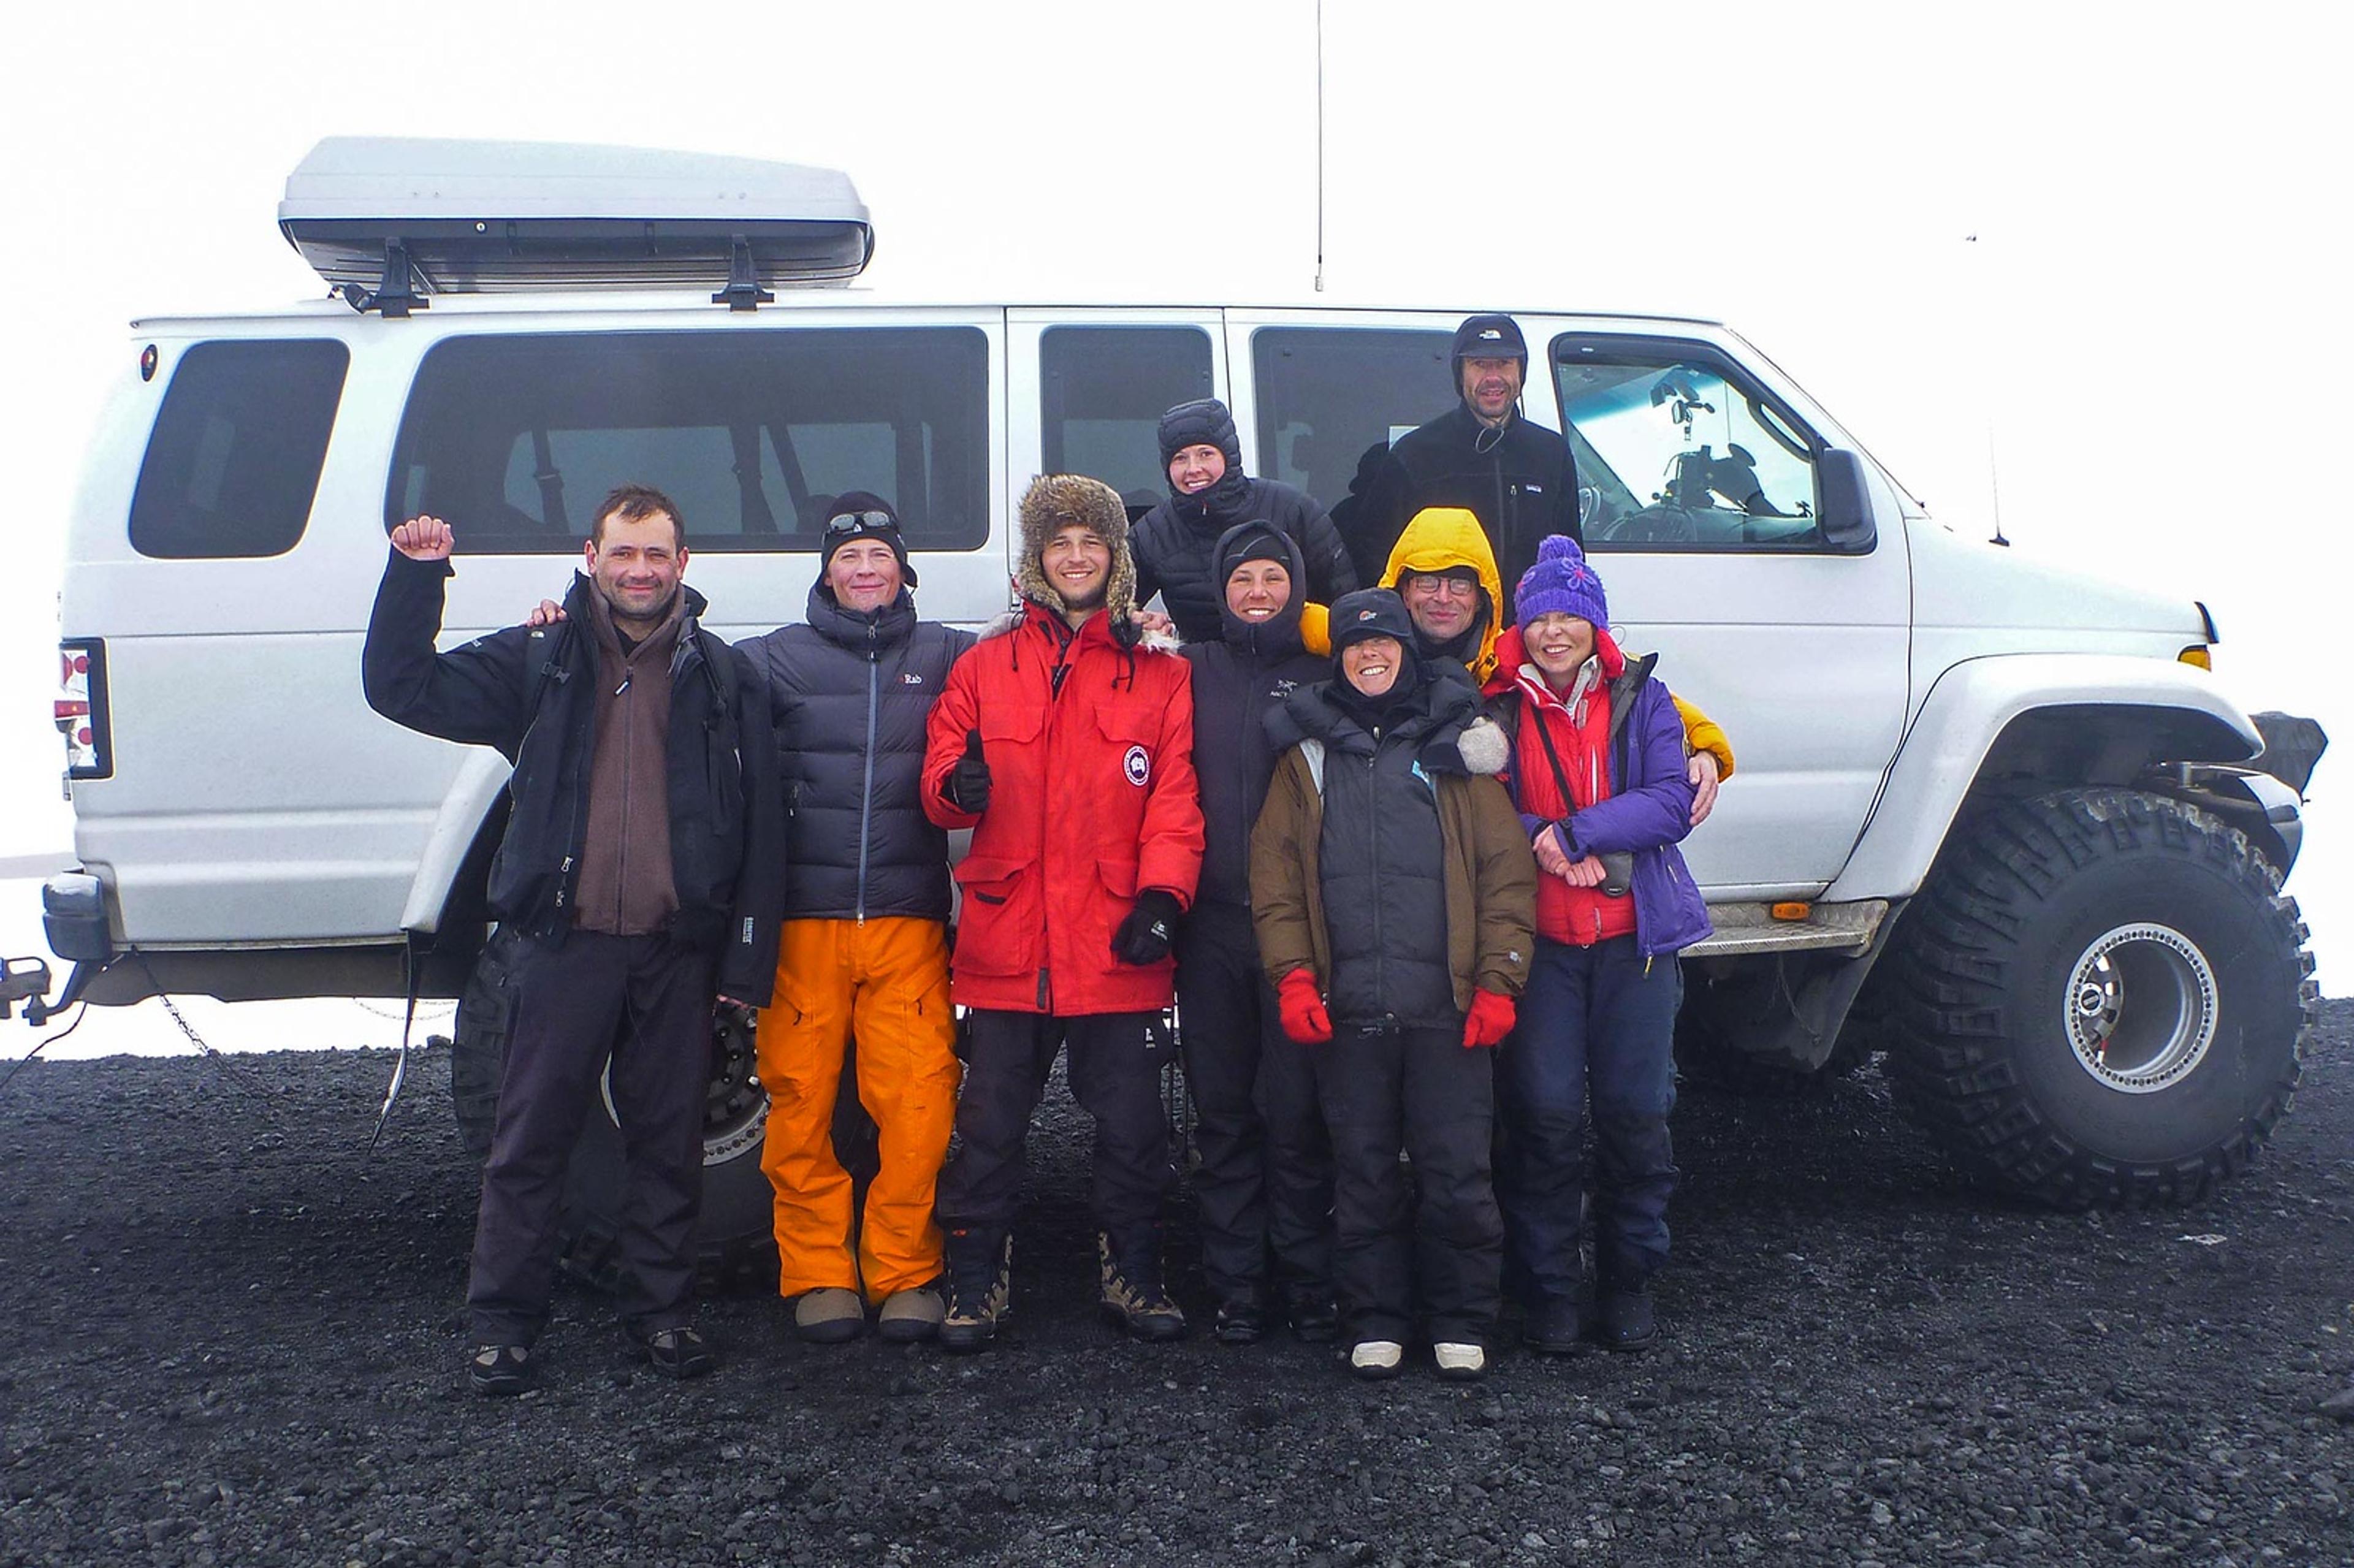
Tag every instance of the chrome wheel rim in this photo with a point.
(2140, 1008)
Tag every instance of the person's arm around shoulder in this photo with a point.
(1653, 806)
(951, 725)
(1711, 762)
(474, 694)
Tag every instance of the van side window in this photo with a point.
(516, 439)
(1677, 450)
(233, 465)
(1102, 390)
(1330, 400)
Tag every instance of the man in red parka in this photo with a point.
(1065, 740)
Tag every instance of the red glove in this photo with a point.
(1490, 1020)
(1302, 1011)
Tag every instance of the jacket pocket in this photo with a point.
(1129, 731)
(1000, 924)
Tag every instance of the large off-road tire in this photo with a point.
(2102, 999)
(734, 1238)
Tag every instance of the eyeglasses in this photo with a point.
(1435, 587)
(855, 521)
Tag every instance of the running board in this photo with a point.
(1746, 929)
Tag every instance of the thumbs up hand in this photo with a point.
(968, 782)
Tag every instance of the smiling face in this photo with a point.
(864, 575)
(1491, 386)
(636, 565)
(1557, 644)
(1078, 562)
(1196, 468)
(1443, 607)
(1372, 665)
(1257, 591)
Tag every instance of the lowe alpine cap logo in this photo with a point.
(1136, 765)
(1367, 614)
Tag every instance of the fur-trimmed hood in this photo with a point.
(1055, 502)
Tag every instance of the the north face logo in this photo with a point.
(1489, 334)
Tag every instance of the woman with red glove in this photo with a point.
(1599, 772)
(1393, 894)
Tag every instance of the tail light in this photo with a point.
(81, 708)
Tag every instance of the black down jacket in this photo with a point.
(1382, 853)
(1172, 544)
(849, 693)
(1520, 481)
(530, 692)
(1238, 682)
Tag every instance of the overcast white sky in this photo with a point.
(2143, 333)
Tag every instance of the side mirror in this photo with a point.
(1843, 500)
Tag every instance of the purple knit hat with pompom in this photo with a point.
(1563, 581)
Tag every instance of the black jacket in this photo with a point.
(1238, 682)
(1382, 852)
(530, 692)
(1172, 545)
(1520, 481)
(850, 694)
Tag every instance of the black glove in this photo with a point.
(1143, 937)
(968, 782)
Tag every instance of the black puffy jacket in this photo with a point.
(1520, 481)
(849, 693)
(1238, 681)
(1382, 853)
(530, 692)
(1172, 544)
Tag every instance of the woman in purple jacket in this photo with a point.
(1598, 773)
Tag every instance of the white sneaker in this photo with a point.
(1375, 1358)
(1460, 1364)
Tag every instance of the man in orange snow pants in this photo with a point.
(864, 946)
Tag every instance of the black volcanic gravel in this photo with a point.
(234, 1337)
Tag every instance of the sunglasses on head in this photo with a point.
(857, 522)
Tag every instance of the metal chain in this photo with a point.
(236, 1076)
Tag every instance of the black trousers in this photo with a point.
(1264, 1183)
(571, 1005)
(1115, 1075)
(1420, 1091)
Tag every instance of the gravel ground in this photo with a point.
(235, 1339)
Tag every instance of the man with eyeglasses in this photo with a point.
(864, 948)
(1516, 476)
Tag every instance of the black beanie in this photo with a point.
(851, 502)
(1263, 544)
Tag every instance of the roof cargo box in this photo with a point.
(388, 220)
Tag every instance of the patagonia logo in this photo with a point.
(1136, 765)
(909, 678)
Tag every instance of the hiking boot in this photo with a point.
(679, 1352)
(498, 1370)
(829, 1316)
(1375, 1359)
(1241, 1320)
(979, 1289)
(1554, 1326)
(908, 1316)
(1460, 1362)
(1132, 1296)
(1623, 1320)
(1314, 1319)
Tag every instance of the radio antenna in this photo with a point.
(1320, 146)
(1986, 392)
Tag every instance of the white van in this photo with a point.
(2022, 790)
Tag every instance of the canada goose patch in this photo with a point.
(1136, 765)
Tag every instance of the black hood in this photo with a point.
(1279, 634)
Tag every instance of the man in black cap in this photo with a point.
(1209, 493)
(1518, 478)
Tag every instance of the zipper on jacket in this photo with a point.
(1373, 838)
(866, 797)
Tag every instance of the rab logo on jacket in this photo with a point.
(1136, 765)
(909, 678)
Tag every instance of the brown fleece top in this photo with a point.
(626, 885)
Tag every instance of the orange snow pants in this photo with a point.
(887, 982)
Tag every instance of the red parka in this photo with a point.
(1092, 800)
